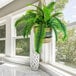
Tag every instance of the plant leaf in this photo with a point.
(39, 10)
(56, 33)
(56, 14)
(50, 6)
(20, 20)
(63, 28)
(39, 36)
(28, 26)
(28, 20)
(46, 13)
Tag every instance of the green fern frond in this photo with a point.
(20, 20)
(55, 31)
(56, 24)
(24, 18)
(28, 20)
(63, 28)
(51, 6)
(39, 10)
(56, 14)
(28, 26)
(46, 13)
(39, 37)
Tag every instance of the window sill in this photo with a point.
(18, 59)
(54, 71)
(65, 68)
(1, 57)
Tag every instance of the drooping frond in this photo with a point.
(56, 14)
(63, 28)
(28, 26)
(25, 18)
(39, 37)
(57, 26)
(55, 23)
(55, 31)
(28, 20)
(20, 20)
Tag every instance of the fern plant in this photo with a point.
(42, 17)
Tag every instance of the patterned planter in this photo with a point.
(34, 61)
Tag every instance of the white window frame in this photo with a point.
(14, 17)
(17, 37)
(11, 35)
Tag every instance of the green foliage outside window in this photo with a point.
(66, 52)
(2, 41)
(2, 31)
(2, 46)
(22, 47)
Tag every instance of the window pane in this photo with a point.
(66, 52)
(2, 46)
(2, 31)
(19, 30)
(22, 47)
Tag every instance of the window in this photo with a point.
(66, 52)
(22, 44)
(2, 38)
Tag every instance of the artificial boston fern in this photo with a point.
(43, 17)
